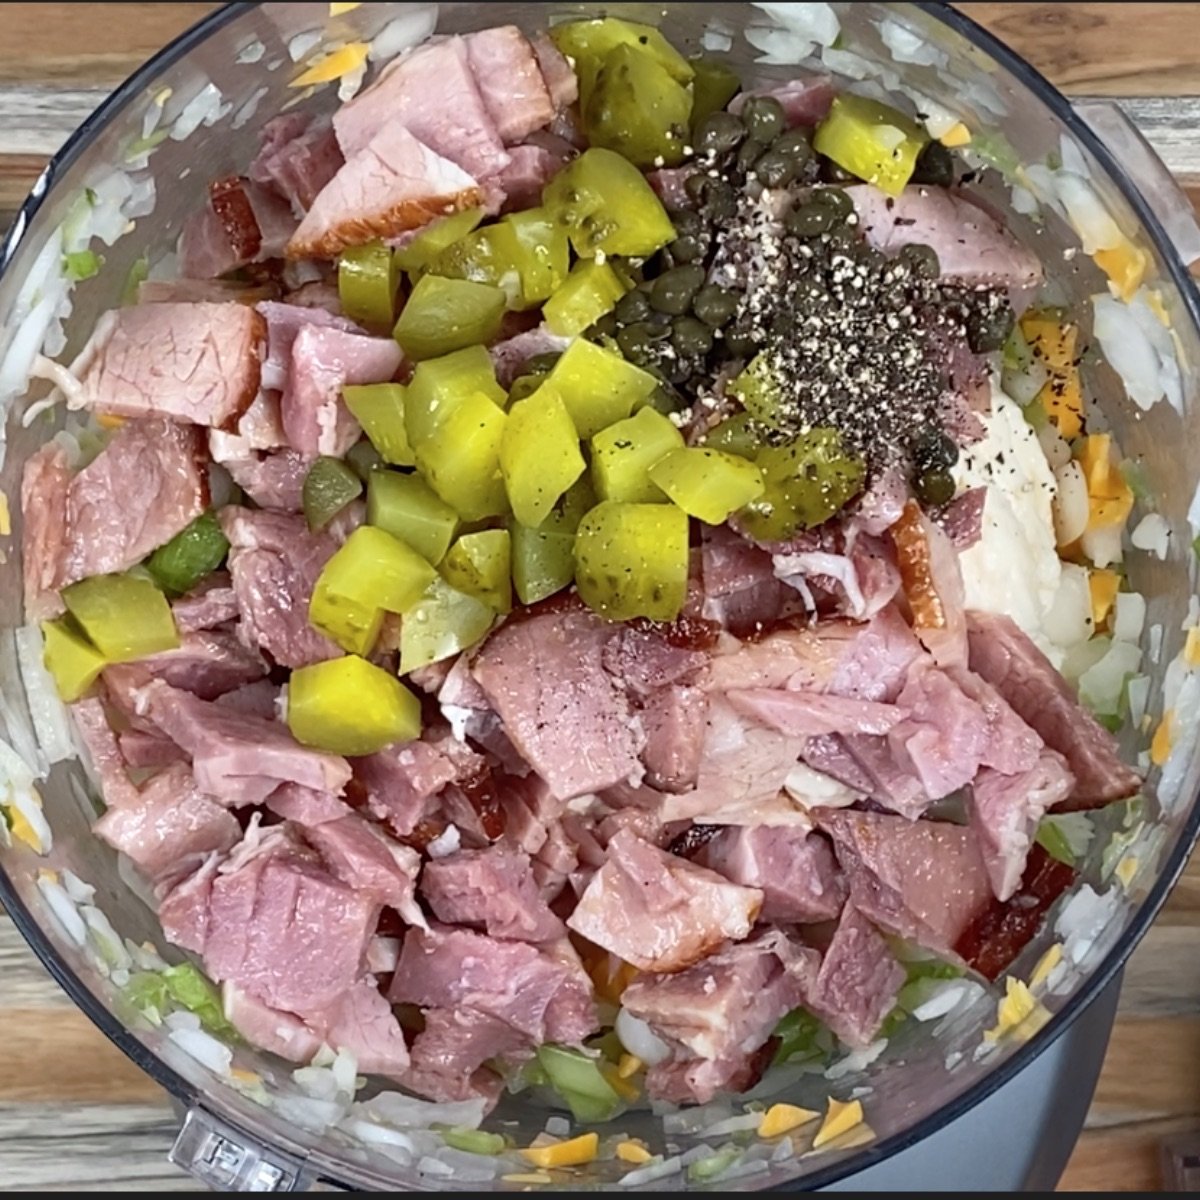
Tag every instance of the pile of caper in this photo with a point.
(757, 144)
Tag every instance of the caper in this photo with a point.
(688, 248)
(763, 117)
(920, 259)
(691, 337)
(776, 169)
(741, 343)
(830, 172)
(935, 166)
(748, 154)
(540, 364)
(988, 329)
(841, 239)
(715, 305)
(633, 307)
(674, 290)
(688, 223)
(720, 133)
(720, 201)
(637, 344)
(697, 186)
(665, 400)
(935, 488)
(524, 386)
(809, 220)
(795, 144)
(836, 200)
(934, 450)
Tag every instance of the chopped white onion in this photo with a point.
(1128, 349)
(62, 907)
(1070, 504)
(302, 43)
(1102, 545)
(446, 842)
(780, 47)
(1185, 729)
(1087, 921)
(1138, 691)
(80, 892)
(249, 107)
(308, 1112)
(1054, 446)
(252, 52)
(693, 1120)
(817, 22)
(558, 1127)
(1024, 202)
(908, 46)
(1068, 621)
(1129, 616)
(1153, 534)
(716, 41)
(737, 1124)
(351, 82)
(1100, 686)
(108, 941)
(857, 1060)
(640, 1040)
(416, 23)
(652, 1171)
(394, 1108)
(49, 714)
(1156, 641)
(460, 1165)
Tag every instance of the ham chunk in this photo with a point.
(108, 763)
(44, 486)
(197, 363)
(674, 722)
(211, 604)
(400, 779)
(717, 1013)
(448, 1055)
(794, 869)
(741, 590)
(530, 168)
(306, 806)
(169, 824)
(274, 561)
(510, 81)
(207, 663)
(267, 1028)
(659, 912)
(809, 714)
(240, 759)
(274, 481)
(1006, 658)
(513, 982)
(242, 222)
(393, 184)
(492, 888)
(298, 157)
(561, 81)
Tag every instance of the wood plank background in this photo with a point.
(75, 1114)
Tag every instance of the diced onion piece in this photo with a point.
(1152, 534)
(1129, 616)
(1070, 504)
(639, 1039)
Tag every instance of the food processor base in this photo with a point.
(1020, 1138)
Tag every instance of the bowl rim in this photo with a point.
(1094, 984)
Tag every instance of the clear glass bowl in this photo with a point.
(226, 78)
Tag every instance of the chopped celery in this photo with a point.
(79, 265)
(350, 706)
(139, 271)
(637, 109)
(363, 458)
(713, 86)
(367, 285)
(545, 250)
(539, 454)
(473, 1141)
(1052, 839)
(148, 994)
(194, 552)
(190, 988)
(73, 662)
(443, 623)
(379, 408)
(577, 1078)
(1065, 836)
(416, 255)
(871, 140)
(590, 42)
(631, 560)
(442, 315)
(605, 204)
(703, 1169)
(408, 509)
(438, 383)
(461, 460)
(624, 452)
(598, 386)
(734, 435)
(800, 1036)
(124, 616)
(591, 290)
(707, 484)
(328, 487)
(480, 564)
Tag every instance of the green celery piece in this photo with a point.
(148, 993)
(190, 988)
(473, 1141)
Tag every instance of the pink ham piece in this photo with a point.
(207, 664)
(511, 355)
(197, 363)
(794, 869)
(284, 324)
(274, 481)
(259, 699)
(558, 73)
(530, 167)
(240, 759)
(108, 764)
(306, 806)
(1005, 657)
(741, 590)
(267, 1028)
(971, 245)
(242, 222)
(808, 714)
(45, 483)
(448, 1056)
(147, 750)
(510, 81)
(274, 561)
(717, 1013)
(211, 604)
(169, 825)
(492, 888)
(674, 719)
(933, 584)
(659, 912)
(298, 157)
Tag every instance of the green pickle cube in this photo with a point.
(708, 484)
(871, 140)
(539, 454)
(367, 283)
(713, 86)
(124, 616)
(408, 509)
(734, 435)
(73, 662)
(437, 385)
(545, 251)
(480, 564)
(379, 408)
(442, 315)
(443, 623)
(461, 460)
(416, 255)
(195, 551)
(598, 386)
(543, 559)
(590, 42)
(328, 487)
(591, 290)
(624, 452)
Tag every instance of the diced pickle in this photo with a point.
(461, 460)
(444, 622)
(363, 458)
(713, 86)
(480, 564)
(442, 315)
(367, 285)
(194, 552)
(539, 454)
(631, 560)
(379, 409)
(416, 255)
(637, 109)
(545, 250)
(543, 559)
(438, 384)
(408, 509)
(605, 204)
(124, 616)
(591, 290)
(73, 662)
(623, 453)
(871, 140)
(734, 435)
(590, 42)
(328, 487)
(349, 706)
(759, 390)
(708, 484)
(598, 386)
(806, 481)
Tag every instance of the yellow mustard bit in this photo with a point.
(533, 1177)
(1154, 302)
(109, 421)
(5, 516)
(572, 1153)
(633, 1152)
(1019, 1013)
(1191, 647)
(840, 1118)
(629, 1065)
(1160, 744)
(1046, 965)
(45, 875)
(1126, 870)
(1103, 585)
(334, 65)
(24, 832)
(336, 10)
(1125, 265)
(783, 1118)
(957, 135)
(242, 1076)
(624, 1087)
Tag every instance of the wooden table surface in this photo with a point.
(74, 1113)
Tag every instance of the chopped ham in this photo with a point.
(741, 590)
(715, 1014)
(881, 505)
(674, 719)
(645, 660)
(209, 605)
(670, 186)
(241, 222)
(108, 764)
(267, 1028)
(284, 323)
(530, 167)
(298, 157)
(237, 758)
(659, 912)
(804, 101)
(807, 714)
(207, 663)
(400, 779)
(962, 518)
(45, 484)
(306, 806)
(1005, 811)
(890, 776)
(196, 363)
(259, 699)
(448, 1056)
(492, 888)
(510, 81)
(261, 425)
(1006, 658)
(142, 750)
(274, 481)
(970, 244)
(558, 73)
(933, 584)
(183, 907)
(793, 868)
(1011, 746)
(274, 561)
(514, 982)
(511, 355)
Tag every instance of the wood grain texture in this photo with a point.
(75, 1114)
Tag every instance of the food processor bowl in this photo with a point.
(1077, 183)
